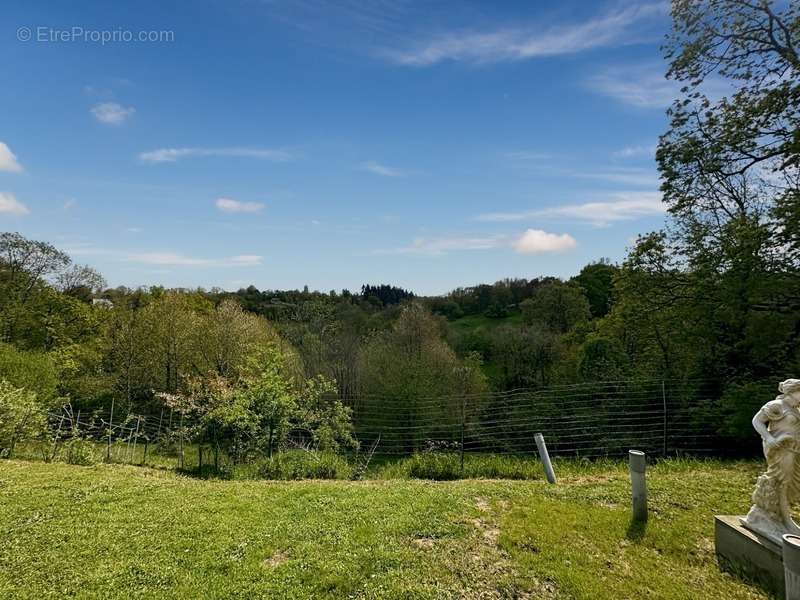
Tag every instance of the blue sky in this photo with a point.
(329, 144)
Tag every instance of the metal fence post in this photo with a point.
(463, 419)
(638, 463)
(664, 403)
(548, 466)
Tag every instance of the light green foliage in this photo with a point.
(34, 371)
(269, 398)
(405, 367)
(148, 533)
(320, 412)
(22, 417)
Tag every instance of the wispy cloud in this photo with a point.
(383, 170)
(537, 241)
(644, 151)
(621, 206)
(513, 44)
(112, 113)
(442, 245)
(9, 205)
(8, 160)
(532, 241)
(632, 176)
(235, 206)
(170, 259)
(642, 86)
(162, 155)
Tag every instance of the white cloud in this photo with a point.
(379, 169)
(161, 155)
(235, 206)
(525, 43)
(536, 241)
(112, 113)
(642, 85)
(134, 230)
(8, 160)
(170, 259)
(70, 204)
(636, 152)
(443, 245)
(9, 205)
(622, 206)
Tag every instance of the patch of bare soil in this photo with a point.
(277, 559)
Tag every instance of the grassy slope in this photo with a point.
(123, 532)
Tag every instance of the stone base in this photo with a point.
(749, 555)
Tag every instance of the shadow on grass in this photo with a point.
(636, 530)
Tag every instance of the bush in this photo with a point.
(299, 464)
(80, 451)
(22, 418)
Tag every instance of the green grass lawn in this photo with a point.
(113, 531)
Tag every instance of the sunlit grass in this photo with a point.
(113, 531)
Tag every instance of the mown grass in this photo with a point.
(111, 531)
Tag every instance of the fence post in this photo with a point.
(135, 439)
(463, 419)
(638, 462)
(548, 466)
(664, 403)
(180, 441)
(110, 429)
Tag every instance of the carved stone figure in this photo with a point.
(778, 423)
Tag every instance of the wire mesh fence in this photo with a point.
(590, 420)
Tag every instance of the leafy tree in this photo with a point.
(525, 356)
(22, 417)
(556, 305)
(409, 374)
(33, 371)
(597, 281)
(603, 359)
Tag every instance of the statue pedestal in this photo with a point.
(747, 554)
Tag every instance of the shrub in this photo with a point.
(79, 451)
(22, 418)
(299, 464)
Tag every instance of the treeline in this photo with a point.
(714, 296)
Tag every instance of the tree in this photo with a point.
(556, 305)
(597, 281)
(411, 378)
(22, 417)
(270, 399)
(730, 174)
(80, 281)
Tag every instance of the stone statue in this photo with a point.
(778, 423)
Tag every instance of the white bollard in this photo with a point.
(548, 466)
(791, 566)
(638, 463)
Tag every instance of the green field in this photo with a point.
(113, 531)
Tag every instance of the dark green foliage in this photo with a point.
(556, 305)
(597, 282)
